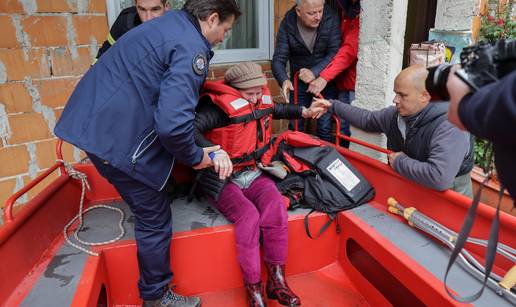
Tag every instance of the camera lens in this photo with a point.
(436, 81)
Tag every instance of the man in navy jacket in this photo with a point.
(489, 113)
(133, 114)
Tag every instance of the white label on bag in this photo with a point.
(343, 174)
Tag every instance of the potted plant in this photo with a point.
(496, 22)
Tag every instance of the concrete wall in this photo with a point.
(380, 58)
(455, 15)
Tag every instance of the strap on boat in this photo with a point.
(332, 217)
(463, 236)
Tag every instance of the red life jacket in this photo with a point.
(251, 124)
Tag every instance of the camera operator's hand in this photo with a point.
(457, 90)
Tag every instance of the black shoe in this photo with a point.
(172, 299)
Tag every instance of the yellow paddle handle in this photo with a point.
(509, 280)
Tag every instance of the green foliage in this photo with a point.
(177, 4)
(498, 23)
(480, 148)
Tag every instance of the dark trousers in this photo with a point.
(152, 228)
(324, 124)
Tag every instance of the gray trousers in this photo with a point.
(462, 184)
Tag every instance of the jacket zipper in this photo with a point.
(137, 153)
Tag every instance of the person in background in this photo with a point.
(427, 148)
(308, 38)
(237, 114)
(131, 17)
(133, 114)
(343, 67)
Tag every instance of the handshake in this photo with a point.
(316, 109)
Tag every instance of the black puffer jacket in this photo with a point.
(291, 47)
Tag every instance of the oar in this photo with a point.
(501, 286)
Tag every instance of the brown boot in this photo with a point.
(277, 287)
(254, 294)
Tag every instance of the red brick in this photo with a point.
(90, 26)
(28, 127)
(266, 66)
(219, 71)
(6, 190)
(64, 65)
(15, 97)
(44, 31)
(55, 92)
(11, 6)
(97, 6)
(273, 87)
(14, 160)
(46, 153)
(17, 67)
(56, 6)
(8, 33)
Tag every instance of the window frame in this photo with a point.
(265, 48)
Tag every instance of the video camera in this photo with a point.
(481, 64)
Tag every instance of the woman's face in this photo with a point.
(252, 94)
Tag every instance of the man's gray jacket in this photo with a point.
(434, 151)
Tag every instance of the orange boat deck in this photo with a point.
(376, 259)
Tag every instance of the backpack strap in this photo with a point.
(255, 155)
(463, 236)
(332, 217)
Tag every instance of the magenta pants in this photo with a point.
(257, 208)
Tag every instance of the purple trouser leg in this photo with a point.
(259, 207)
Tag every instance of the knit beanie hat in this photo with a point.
(245, 75)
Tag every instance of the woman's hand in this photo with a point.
(222, 164)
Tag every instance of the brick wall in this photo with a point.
(45, 47)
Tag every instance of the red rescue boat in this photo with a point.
(375, 259)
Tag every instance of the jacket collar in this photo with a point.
(197, 26)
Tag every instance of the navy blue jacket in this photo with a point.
(291, 47)
(490, 113)
(135, 107)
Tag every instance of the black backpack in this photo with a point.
(327, 182)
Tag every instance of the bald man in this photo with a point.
(428, 149)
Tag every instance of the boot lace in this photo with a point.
(172, 296)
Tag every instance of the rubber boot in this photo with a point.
(254, 294)
(277, 287)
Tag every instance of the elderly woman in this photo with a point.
(237, 114)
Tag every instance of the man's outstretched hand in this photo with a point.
(317, 108)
